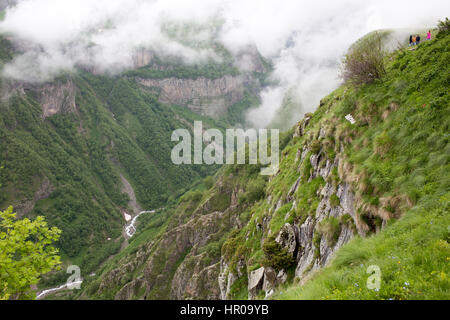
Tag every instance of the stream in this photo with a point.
(64, 286)
(130, 230)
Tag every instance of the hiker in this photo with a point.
(410, 40)
(418, 39)
(414, 40)
(429, 35)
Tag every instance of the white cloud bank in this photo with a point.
(305, 39)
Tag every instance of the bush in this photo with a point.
(208, 182)
(364, 63)
(255, 191)
(275, 256)
(443, 27)
(315, 147)
(194, 196)
(330, 228)
(334, 200)
(383, 143)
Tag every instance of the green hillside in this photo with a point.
(346, 197)
(397, 161)
(400, 148)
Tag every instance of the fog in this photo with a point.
(306, 40)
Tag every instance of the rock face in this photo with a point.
(142, 58)
(43, 191)
(57, 97)
(304, 239)
(255, 282)
(226, 279)
(128, 189)
(209, 97)
(174, 265)
(286, 238)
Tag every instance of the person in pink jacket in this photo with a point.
(429, 35)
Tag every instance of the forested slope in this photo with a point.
(68, 145)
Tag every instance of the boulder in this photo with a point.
(270, 279)
(286, 238)
(255, 282)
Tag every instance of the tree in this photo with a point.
(364, 63)
(25, 254)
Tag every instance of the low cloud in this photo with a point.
(305, 39)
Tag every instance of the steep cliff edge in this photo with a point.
(208, 97)
(346, 196)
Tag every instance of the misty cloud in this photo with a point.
(305, 39)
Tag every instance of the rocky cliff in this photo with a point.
(209, 97)
(209, 90)
(57, 97)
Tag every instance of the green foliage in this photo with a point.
(334, 200)
(364, 63)
(208, 182)
(117, 129)
(330, 228)
(412, 255)
(26, 252)
(315, 147)
(213, 249)
(307, 201)
(194, 196)
(443, 27)
(255, 191)
(410, 178)
(276, 256)
(161, 69)
(236, 112)
(335, 176)
(238, 290)
(5, 50)
(383, 143)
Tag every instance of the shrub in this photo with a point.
(194, 196)
(383, 143)
(208, 182)
(255, 191)
(315, 146)
(364, 63)
(334, 200)
(330, 228)
(276, 256)
(443, 27)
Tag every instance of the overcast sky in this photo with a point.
(305, 39)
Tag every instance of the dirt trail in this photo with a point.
(132, 204)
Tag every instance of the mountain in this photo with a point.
(348, 199)
(85, 149)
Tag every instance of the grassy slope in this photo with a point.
(401, 163)
(399, 147)
(406, 154)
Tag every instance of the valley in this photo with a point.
(132, 165)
